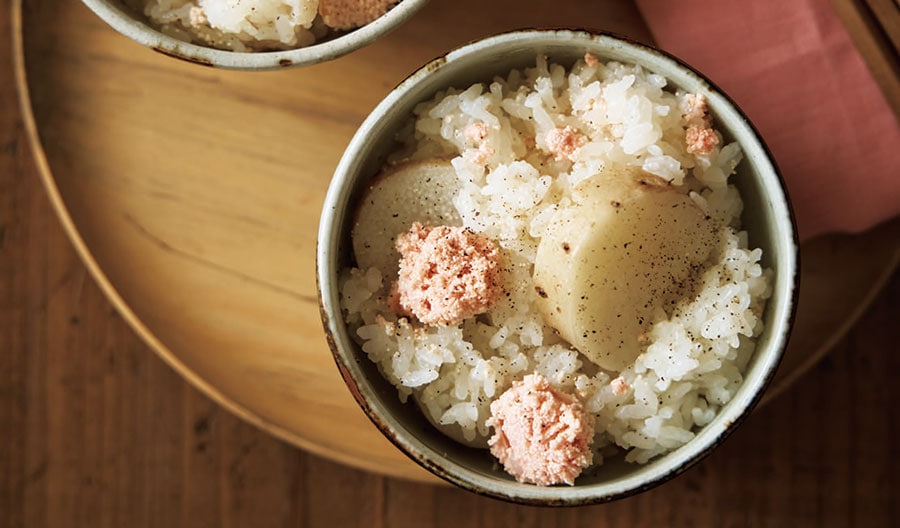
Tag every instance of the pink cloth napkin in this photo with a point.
(793, 69)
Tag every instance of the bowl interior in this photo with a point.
(125, 16)
(766, 216)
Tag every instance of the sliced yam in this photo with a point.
(630, 245)
(420, 191)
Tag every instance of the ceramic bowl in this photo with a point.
(767, 217)
(125, 16)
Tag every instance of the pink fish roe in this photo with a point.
(564, 142)
(475, 132)
(349, 14)
(693, 109)
(446, 274)
(699, 138)
(541, 435)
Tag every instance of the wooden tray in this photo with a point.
(193, 196)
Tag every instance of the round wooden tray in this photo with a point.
(193, 196)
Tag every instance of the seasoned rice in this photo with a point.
(518, 146)
(261, 25)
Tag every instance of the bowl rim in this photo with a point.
(117, 16)
(707, 438)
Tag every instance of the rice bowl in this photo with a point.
(291, 46)
(525, 345)
(261, 25)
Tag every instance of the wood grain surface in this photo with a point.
(194, 196)
(98, 431)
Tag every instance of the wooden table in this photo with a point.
(99, 432)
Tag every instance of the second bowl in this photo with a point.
(527, 154)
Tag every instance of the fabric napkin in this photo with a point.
(793, 69)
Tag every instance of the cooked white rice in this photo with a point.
(697, 351)
(239, 25)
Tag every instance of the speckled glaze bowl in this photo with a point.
(125, 16)
(767, 217)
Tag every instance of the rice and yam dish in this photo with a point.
(551, 266)
(261, 25)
